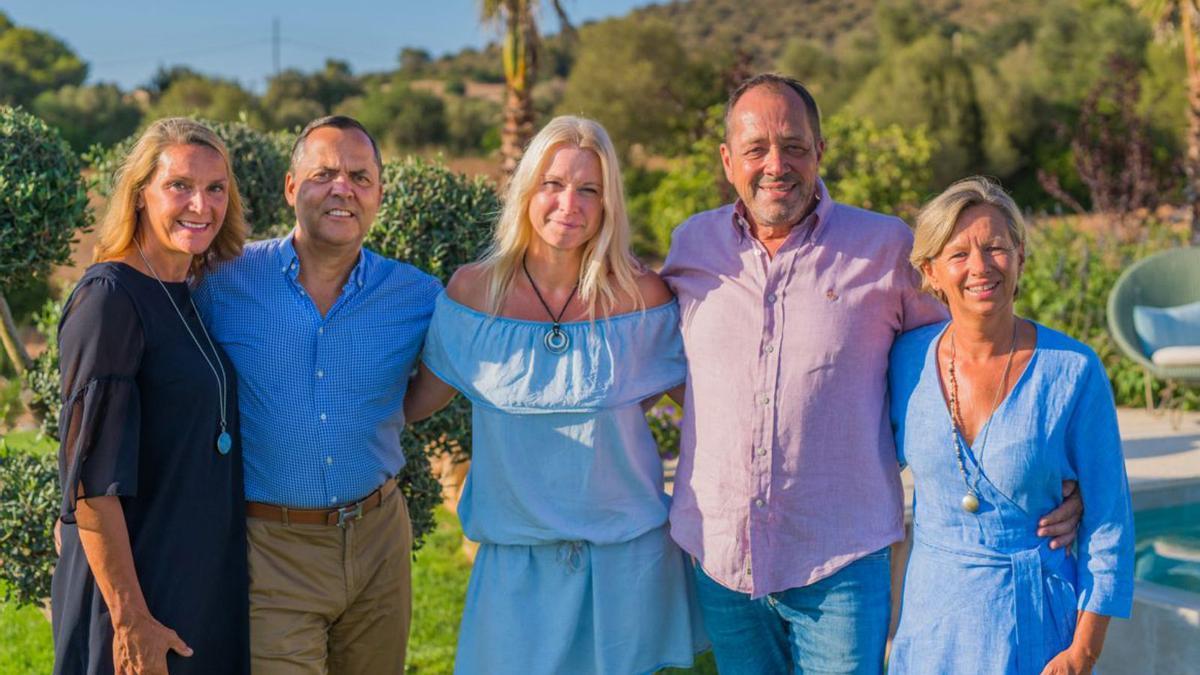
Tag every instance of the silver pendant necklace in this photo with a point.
(970, 501)
(224, 440)
(556, 341)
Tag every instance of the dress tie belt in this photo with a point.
(1030, 570)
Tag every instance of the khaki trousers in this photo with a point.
(324, 599)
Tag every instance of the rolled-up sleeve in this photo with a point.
(1106, 537)
(100, 350)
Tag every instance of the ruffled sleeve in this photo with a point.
(100, 350)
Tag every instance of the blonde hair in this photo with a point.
(608, 267)
(118, 229)
(936, 221)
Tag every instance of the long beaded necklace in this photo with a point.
(557, 341)
(970, 501)
(224, 440)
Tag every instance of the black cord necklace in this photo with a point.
(556, 340)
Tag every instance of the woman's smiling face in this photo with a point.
(978, 268)
(567, 206)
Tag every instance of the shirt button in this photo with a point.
(759, 503)
(766, 400)
(321, 330)
(831, 295)
(747, 570)
(320, 374)
(333, 500)
(762, 452)
(322, 417)
(770, 348)
(329, 460)
(771, 298)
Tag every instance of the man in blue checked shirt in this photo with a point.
(324, 334)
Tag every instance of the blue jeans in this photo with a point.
(836, 625)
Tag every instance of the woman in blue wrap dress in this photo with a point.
(991, 413)
(558, 337)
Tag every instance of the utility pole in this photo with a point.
(275, 44)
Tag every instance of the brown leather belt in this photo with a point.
(339, 516)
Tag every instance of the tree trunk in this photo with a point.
(518, 127)
(1191, 165)
(520, 71)
(12, 342)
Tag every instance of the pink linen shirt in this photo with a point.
(787, 470)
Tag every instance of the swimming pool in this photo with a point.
(1168, 546)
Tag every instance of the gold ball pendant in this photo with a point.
(970, 503)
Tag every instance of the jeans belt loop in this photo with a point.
(286, 522)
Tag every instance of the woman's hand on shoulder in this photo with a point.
(468, 286)
(653, 289)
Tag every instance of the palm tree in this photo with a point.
(1185, 12)
(520, 52)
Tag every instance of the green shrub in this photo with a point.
(437, 220)
(882, 168)
(42, 378)
(432, 217)
(43, 200)
(1069, 272)
(28, 508)
(260, 161)
(87, 115)
(693, 184)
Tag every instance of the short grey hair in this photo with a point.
(936, 221)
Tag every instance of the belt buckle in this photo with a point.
(346, 514)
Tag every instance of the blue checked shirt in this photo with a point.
(321, 398)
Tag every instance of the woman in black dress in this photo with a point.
(152, 573)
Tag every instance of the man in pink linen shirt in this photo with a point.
(787, 493)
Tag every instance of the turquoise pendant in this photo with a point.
(224, 443)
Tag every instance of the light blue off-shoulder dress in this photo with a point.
(576, 571)
(984, 594)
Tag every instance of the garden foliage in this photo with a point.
(28, 505)
(43, 200)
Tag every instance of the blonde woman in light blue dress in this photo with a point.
(558, 337)
(992, 412)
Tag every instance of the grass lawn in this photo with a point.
(25, 645)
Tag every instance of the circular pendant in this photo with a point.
(557, 341)
(970, 502)
(224, 443)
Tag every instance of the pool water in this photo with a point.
(1168, 546)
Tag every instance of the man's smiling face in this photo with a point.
(335, 186)
(771, 155)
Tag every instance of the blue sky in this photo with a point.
(125, 41)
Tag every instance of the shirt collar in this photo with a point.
(814, 221)
(289, 262)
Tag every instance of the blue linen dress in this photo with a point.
(576, 571)
(983, 593)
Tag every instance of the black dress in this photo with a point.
(140, 419)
